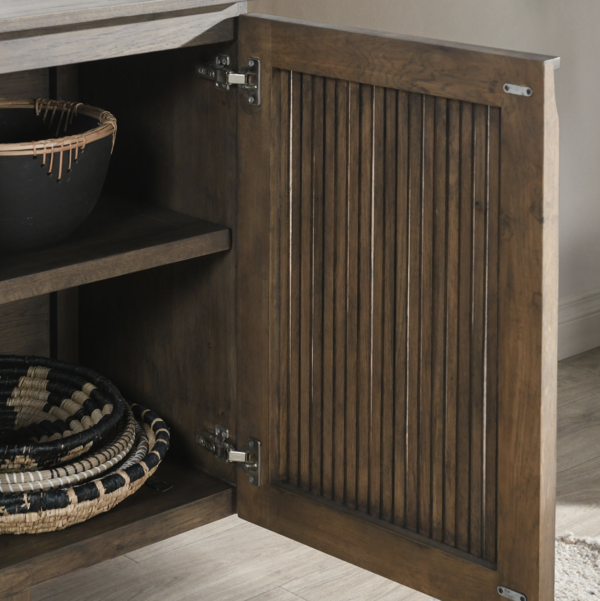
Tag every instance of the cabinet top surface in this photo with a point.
(16, 15)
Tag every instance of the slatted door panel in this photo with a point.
(396, 302)
(389, 294)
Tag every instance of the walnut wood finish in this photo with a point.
(119, 237)
(143, 519)
(397, 236)
(25, 327)
(397, 284)
(166, 336)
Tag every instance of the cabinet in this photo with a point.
(377, 304)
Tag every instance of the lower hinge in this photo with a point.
(248, 457)
(247, 78)
(512, 595)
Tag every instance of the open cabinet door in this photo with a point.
(397, 305)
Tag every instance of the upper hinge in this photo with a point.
(249, 456)
(247, 78)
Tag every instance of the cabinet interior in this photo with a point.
(145, 292)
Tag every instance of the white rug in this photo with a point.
(577, 569)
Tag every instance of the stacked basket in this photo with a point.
(70, 446)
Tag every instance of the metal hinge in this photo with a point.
(511, 88)
(216, 442)
(247, 78)
(512, 595)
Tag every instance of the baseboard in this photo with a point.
(578, 323)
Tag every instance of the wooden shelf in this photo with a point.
(119, 237)
(145, 518)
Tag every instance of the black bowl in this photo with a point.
(37, 208)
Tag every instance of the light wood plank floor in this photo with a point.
(232, 560)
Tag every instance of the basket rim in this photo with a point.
(107, 126)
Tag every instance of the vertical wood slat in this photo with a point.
(425, 335)
(306, 291)
(364, 415)
(329, 275)
(295, 262)
(415, 139)
(388, 259)
(340, 226)
(391, 304)
(281, 140)
(317, 269)
(438, 394)
(452, 314)
(463, 458)
(401, 312)
(377, 299)
(352, 291)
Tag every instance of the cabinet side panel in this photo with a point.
(378, 279)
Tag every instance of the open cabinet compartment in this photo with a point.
(154, 308)
(383, 180)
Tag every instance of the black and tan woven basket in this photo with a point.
(117, 460)
(52, 412)
(31, 513)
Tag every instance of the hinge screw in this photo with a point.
(251, 480)
(251, 444)
(251, 100)
(251, 63)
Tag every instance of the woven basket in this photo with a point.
(48, 187)
(93, 465)
(52, 412)
(31, 513)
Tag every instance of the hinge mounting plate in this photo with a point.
(248, 457)
(247, 78)
(512, 595)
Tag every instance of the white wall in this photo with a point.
(567, 28)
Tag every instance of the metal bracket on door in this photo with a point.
(511, 88)
(512, 595)
(248, 457)
(247, 78)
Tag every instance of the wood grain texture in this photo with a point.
(25, 327)
(441, 123)
(124, 37)
(119, 237)
(147, 517)
(371, 342)
(25, 84)
(22, 596)
(176, 324)
(325, 578)
(19, 16)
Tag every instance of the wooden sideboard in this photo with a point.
(349, 260)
